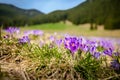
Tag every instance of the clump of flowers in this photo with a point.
(96, 48)
(33, 32)
(12, 30)
(115, 64)
(37, 32)
(24, 39)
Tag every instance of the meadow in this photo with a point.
(80, 30)
(58, 51)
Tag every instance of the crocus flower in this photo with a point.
(92, 49)
(12, 30)
(37, 32)
(96, 55)
(84, 47)
(82, 40)
(27, 33)
(92, 43)
(72, 44)
(83, 44)
(108, 52)
(52, 38)
(24, 39)
(66, 42)
(115, 64)
(58, 42)
(33, 32)
(106, 44)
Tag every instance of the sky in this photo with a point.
(45, 6)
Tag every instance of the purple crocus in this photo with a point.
(96, 55)
(84, 47)
(24, 39)
(115, 64)
(12, 30)
(58, 42)
(52, 38)
(37, 32)
(27, 33)
(33, 32)
(83, 44)
(72, 44)
(82, 40)
(108, 52)
(92, 49)
(66, 42)
(92, 43)
(106, 44)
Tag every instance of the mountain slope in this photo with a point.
(13, 16)
(10, 11)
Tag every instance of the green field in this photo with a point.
(80, 30)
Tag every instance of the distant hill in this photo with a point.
(10, 13)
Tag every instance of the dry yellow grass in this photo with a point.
(84, 30)
(79, 30)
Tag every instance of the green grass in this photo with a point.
(49, 26)
(80, 30)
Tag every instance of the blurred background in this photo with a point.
(79, 17)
